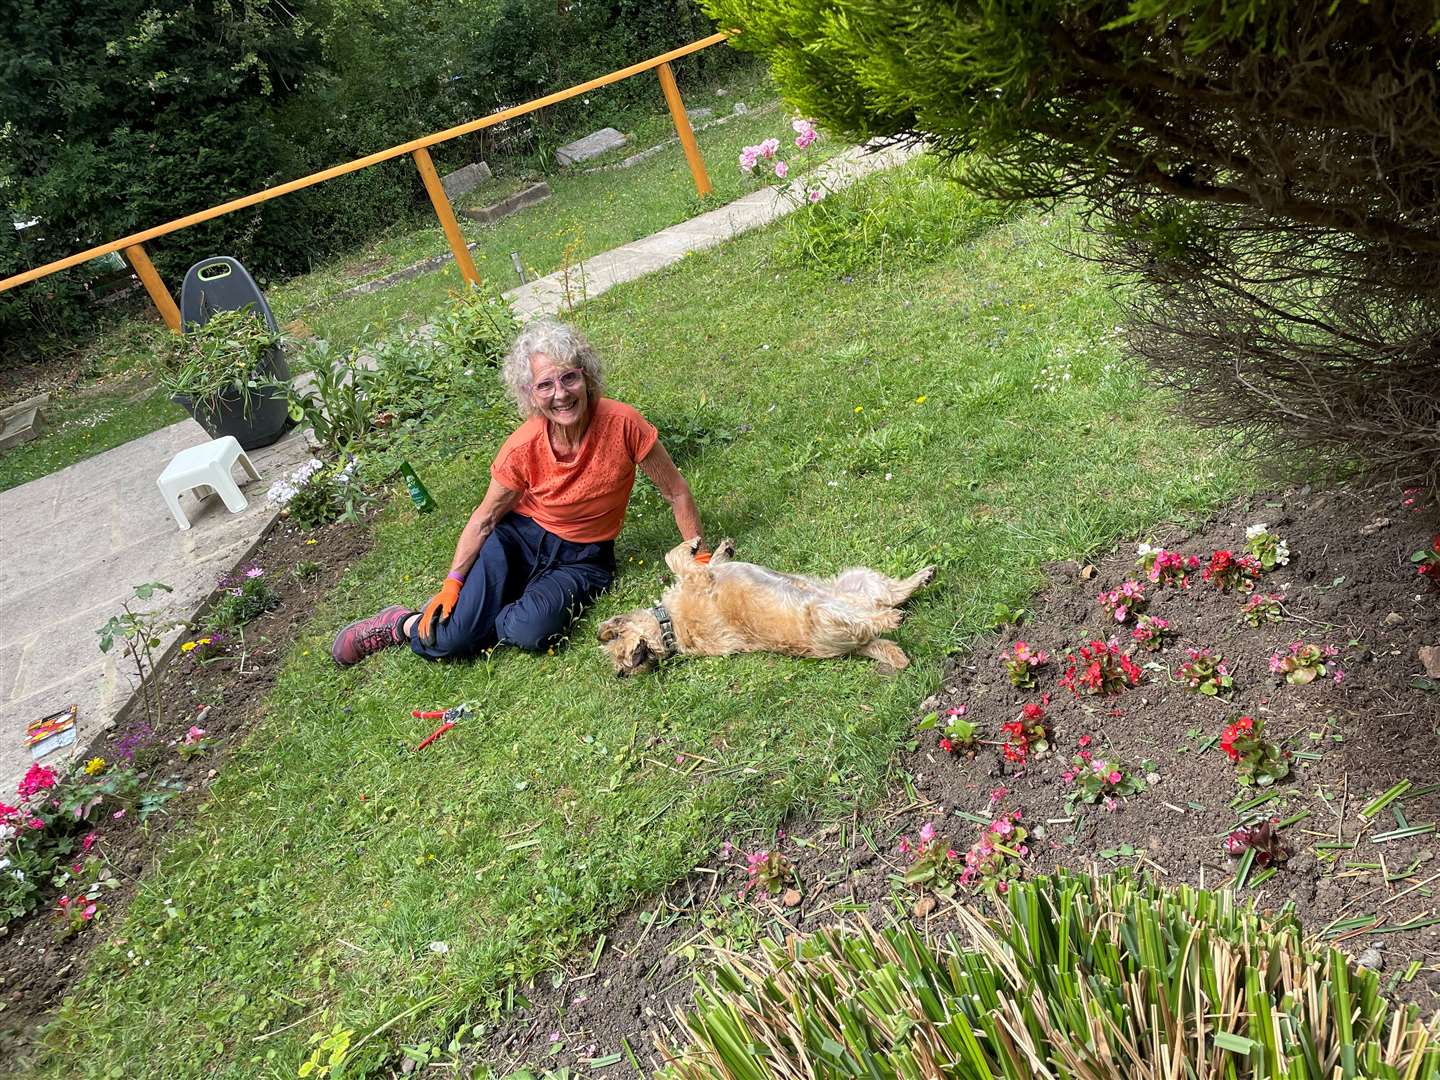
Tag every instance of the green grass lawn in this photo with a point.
(893, 421)
(80, 427)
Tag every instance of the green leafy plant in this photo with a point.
(1181, 974)
(140, 633)
(933, 863)
(1265, 546)
(1206, 673)
(476, 328)
(220, 360)
(1257, 760)
(331, 397)
(1094, 780)
(1263, 608)
(1303, 663)
(1004, 615)
(245, 595)
(1021, 663)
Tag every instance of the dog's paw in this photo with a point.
(725, 549)
(926, 576)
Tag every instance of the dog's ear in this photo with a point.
(609, 629)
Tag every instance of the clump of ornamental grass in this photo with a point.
(1064, 976)
(1022, 662)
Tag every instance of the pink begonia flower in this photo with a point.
(768, 148)
(904, 845)
(1023, 849)
(89, 841)
(959, 710)
(1110, 804)
(1114, 777)
(781, 170)
(1084, 740)
(1003, 827)
(806, 138)
(1339, 676)
(748, 157)
(951, 853)
(725, 849)
(117, 815)
(194, 735)
(814, 196)
(927, 833)
(800, 126)
(1003, 886)
(971, 858)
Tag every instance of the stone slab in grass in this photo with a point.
(488, 215)
(22, 421)
(462, 181)
(591, 146)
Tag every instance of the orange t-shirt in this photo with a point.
(583, 499)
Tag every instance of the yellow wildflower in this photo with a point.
(188, 646)
(859, 408)
(94, 765)
(920, 400)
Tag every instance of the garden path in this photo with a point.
(73, 544)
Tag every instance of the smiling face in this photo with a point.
(560, 394)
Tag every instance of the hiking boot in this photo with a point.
(365, 636)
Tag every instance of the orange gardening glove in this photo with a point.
(703, 558)
(437, 611)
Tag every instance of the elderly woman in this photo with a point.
(541, 544)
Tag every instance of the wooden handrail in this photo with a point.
(356, 165)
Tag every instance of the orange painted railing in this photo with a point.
(419, 149)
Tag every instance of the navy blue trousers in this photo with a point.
(525, 589)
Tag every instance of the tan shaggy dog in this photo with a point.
(730, 607)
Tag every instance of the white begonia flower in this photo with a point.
(1145, 550)
(1255, 530)
(1282, 552)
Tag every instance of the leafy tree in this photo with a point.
(1266, 172)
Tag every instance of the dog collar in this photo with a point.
(667, 628)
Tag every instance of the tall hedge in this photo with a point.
(116, 115)
(1264, 173)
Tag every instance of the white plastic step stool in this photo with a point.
(206, 467)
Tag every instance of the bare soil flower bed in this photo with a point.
(227, 696)
(1356, 859)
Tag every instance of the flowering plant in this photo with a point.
(1150, 632)
(204, 649)
(1227, 571)
(1021, 663)
(1262, 839)
(769, 870)
(1304, 663)
(1027, 736)
(1427, 563)
(1100, 669)
(1268, 549)
(993, 860)
(246, 595)
(1127, 600)
(1206, 673)
(1257, 760)
(1096, 780)
(959, 734)
(933, 862)
(1263, 608)
(195, 742)
(1166, 567)
(73, 914)
(313, 494)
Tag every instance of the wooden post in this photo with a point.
(683, 129)
(141, 264)
(446, 214)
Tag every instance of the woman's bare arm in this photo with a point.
(499, 501)
(663, 474)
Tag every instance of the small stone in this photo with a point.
(1430, 657)
(741, 108)
(1371, 960)
(791, 897)
(1394, 619)
(924, 906)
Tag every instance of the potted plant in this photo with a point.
(230, 374)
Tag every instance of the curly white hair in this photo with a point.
(564, 345)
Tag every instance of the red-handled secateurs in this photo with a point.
(450, 715)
